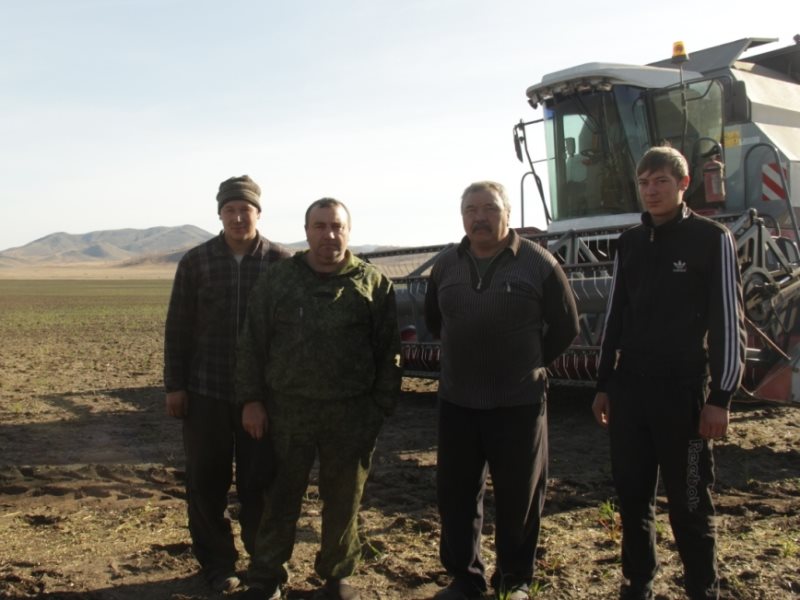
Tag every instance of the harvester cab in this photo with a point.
(720, 111)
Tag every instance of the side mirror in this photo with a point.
(519, 139)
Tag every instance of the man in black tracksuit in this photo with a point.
(674, 317)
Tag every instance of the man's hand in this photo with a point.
(178, 404)
(601, 407)
(713, 422)
(254, 419)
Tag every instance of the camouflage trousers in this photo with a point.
(342, 434)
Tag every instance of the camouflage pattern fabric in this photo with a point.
(329, 337)
(323, 353)
(344, 434)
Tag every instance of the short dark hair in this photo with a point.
(659, 157)
(327, 203)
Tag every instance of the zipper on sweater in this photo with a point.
(477, 270)
(474, 260)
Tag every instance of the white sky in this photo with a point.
(128, 113)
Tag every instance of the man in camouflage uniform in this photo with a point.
(318, 368)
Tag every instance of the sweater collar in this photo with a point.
(512, 247)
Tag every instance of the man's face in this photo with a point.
(661, 193)
(327, 233)
(239, 219)
(485, 220)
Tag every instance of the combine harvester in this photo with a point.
(737, 121)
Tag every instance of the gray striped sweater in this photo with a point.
(499, 331)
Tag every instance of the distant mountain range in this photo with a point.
(121, 247)
(162, 244)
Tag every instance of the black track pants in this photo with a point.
(654, 427)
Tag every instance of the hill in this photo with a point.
(138, 253)
(110, 246)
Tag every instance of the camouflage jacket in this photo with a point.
(320, 337)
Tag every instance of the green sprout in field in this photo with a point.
(789, 548)
(607, 517)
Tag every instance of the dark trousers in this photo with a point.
(342, 434)
(511, 444)
(654, 427)
(213, 440)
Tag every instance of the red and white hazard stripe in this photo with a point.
(771, 186)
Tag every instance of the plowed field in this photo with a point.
(91, 479)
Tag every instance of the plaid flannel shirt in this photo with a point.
(206, 313)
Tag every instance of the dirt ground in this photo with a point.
(92, 499)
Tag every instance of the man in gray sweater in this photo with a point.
(504, 310)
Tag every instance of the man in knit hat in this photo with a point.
(206, 312)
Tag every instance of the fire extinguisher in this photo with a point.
(714, 180)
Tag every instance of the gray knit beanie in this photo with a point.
(239, 188)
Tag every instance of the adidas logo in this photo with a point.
(679, 267)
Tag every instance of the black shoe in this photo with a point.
(519, 593)
(340, 589)
(224, 583)
(636, 591)
(259, 591)
(453, 593)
